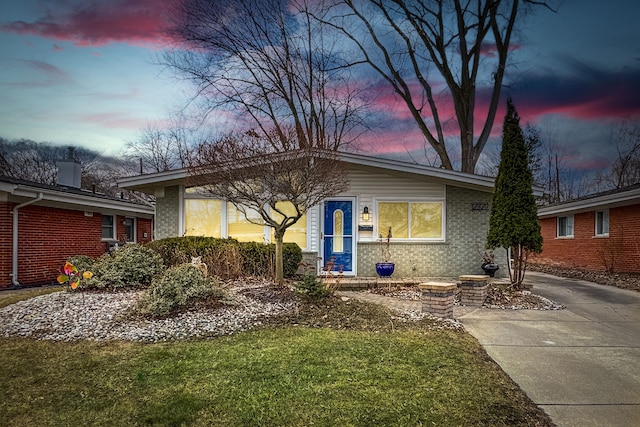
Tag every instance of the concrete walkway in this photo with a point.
(580, 365)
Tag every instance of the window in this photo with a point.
(202, 217)
(130, 229)
(565, 226)
(108, 227)
(411, 220)
(602, 223)
(240, 228)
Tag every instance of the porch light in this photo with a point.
(365, 214)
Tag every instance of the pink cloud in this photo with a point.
(114, 121)
(97, 23)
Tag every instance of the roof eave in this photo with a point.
(610, 200)
(87, 202)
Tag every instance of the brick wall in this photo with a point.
(619, 251)
(48, 236)
(460, 254)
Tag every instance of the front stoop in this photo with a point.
(363, 283)
(473, 289)
(437, 298)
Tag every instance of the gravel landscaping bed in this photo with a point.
(68, 316)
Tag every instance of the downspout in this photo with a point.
(14, 273)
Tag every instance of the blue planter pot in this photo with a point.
(385, 269)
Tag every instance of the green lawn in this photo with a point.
(276, 376)
(342, 364)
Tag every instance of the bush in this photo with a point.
(228, 258)
(312, 288)
(130, 266)
(176, 288)
(82, 262)
(292, 255)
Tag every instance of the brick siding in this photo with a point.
(619, 251)
(48, 236)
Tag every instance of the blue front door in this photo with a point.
(338, 235)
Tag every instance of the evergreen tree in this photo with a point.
(514, 221)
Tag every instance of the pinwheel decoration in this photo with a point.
(71, 275)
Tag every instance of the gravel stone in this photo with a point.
(70, 316)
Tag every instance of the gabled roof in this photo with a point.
(19, 190)
(149, 182)
(608, 199)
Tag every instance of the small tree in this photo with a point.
(246, 172)
(514, 221)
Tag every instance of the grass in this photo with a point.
(346, 364)
(13, 296)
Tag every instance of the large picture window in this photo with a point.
(244, 228)
(202, 217)
(297, 233)
(411, 220)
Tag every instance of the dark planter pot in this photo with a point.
(385, 269)
(490, 268)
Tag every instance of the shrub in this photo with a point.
(175, 288)
(292, 255)
(312, 288)
(228, 258)
(130, 266)
(82, 262)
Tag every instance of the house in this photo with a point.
(598, 232)
(42, 225)
(439, 218)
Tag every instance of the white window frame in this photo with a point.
(570, 221)
(224, 220)
(134, 225)
(605, 220)
(113, 228)
(410, 201)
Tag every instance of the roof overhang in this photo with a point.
(149, 183)
(66, 200)
(610, 200)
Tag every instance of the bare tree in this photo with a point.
(159, 149)
(270, 66)
(625, 169)
(31, 161)
(247, 172)
(418, 46)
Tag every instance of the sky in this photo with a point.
(87, 73)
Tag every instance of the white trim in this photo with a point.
(565, 236)
(443, 203)
(148, 183)
(354, 234)
(114, 237)
(605, 219)
(622, 198)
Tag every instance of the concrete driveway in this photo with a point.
(580, 365)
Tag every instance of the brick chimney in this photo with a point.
(69, 170)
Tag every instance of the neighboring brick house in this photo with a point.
(439, 218)
(56, 222)
(598, 232)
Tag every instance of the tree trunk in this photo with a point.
(279, 236)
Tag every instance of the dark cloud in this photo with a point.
(584, 92)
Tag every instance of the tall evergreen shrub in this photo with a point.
(514, 216)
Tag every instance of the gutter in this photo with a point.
(14, 273)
